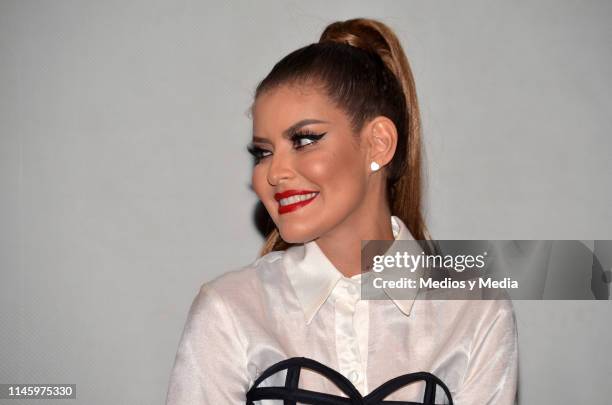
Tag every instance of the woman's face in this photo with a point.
(310, 169)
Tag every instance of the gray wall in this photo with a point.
(124, 175)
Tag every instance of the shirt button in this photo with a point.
(354, 377)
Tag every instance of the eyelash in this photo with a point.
(296, 137)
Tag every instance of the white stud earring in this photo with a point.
(374, 166)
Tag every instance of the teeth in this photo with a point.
(296, 198)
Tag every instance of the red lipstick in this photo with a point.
(283, 209)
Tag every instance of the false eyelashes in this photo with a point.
(296, 138)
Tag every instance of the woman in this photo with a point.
(336, 143)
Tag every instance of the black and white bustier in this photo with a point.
(290, 394)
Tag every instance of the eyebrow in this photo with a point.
(292, 129)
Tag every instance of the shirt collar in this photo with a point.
(313, 277)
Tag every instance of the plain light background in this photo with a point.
(124, 174)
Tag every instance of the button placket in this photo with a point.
(347, 344)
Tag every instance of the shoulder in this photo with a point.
(489, 306)
(496, 321)
(500, 307)
(244, 285)
(494, 307)
(475, 318)
(248, 276)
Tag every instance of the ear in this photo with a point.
(380, 137)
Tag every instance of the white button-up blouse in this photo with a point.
(295, 303)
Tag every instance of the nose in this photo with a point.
(280, 169)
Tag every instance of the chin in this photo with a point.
(297, 233)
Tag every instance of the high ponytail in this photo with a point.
(363, 68)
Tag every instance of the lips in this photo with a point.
(291, 200)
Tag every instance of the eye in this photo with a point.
(257, 152)
(305, 138)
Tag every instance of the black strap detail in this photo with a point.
(291, 394)
(293, 377)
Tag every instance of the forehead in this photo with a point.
(281, 107)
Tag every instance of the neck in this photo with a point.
(342, 245)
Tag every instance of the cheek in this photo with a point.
(337, 173)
